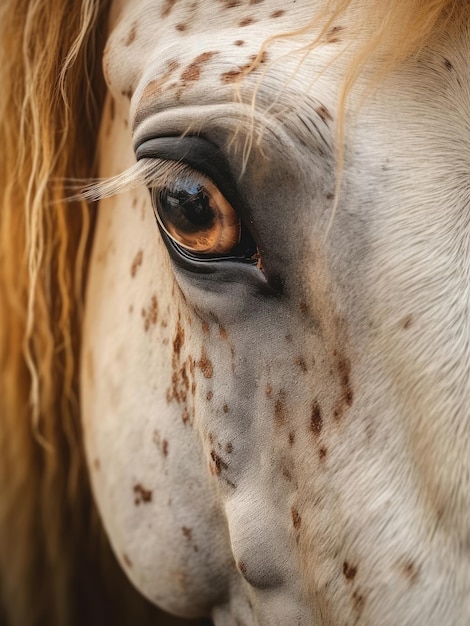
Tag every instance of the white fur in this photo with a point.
(361, 521)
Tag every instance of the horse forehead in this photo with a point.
(176, 29)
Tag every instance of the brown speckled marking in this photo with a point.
(141, 495)
(178, 341)
(205, 365)
(193, 72)
(332, 34)
(407, 322)
(136, 263)
(131, 35)
(229, 448)
(349, 571)
(269, 391)
(278, 13)
(322, 452)
(242, 567)
(346, 398)
(154, 90)
(209, 395)
(165, 447)
(150, 314)
(217, 464)
(236, 74)
(301, 363)
(225, 408)
(247, 21)
(126, 560)
(291, 438)
(231, 4)
(223, 333)
(167, 7)
(181, 27)
(187, 532)
(448, 65)
(358, 602)
(324, 114)
(239, 42)
(296, 519)
(316, 419)
(409, 570)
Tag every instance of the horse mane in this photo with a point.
(55, 566)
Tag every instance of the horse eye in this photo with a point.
(196, 216)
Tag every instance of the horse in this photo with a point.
(253, 349)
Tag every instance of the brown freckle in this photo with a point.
(303, 306)
(218, 463)
(301, 363)
(229, 448)
(205, 365)
(225, 408)
(322, 452)
(205, 327)
(193, 71)
(167, 7)
(187, 532)
(131, 35)
(141, 494)
(349, 571)
(448, 65)
(280, 407)
(181, 27)
(210, 395)
(127, 93)
(269, 391)
(126, 560)
(239, 42)
(222, 332)
(178, 340)
(316, 419)
(242, 567)
(324, 114)
(136, 263)
(289, 338)
(296, 519)
(211, 438)
(410, 571)
(291, 438)
(330, 196)
(332, 34)
(359, 601)
(407, 322)
(165, 447)
(246, 21)
(344, 369)
(278, 13)
(287, 475)
(150, 315)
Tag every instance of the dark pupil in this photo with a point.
(188, 209)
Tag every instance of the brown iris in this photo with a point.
(195, 214)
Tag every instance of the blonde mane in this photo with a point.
(50, 108)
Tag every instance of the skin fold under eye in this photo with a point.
(195, 215)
